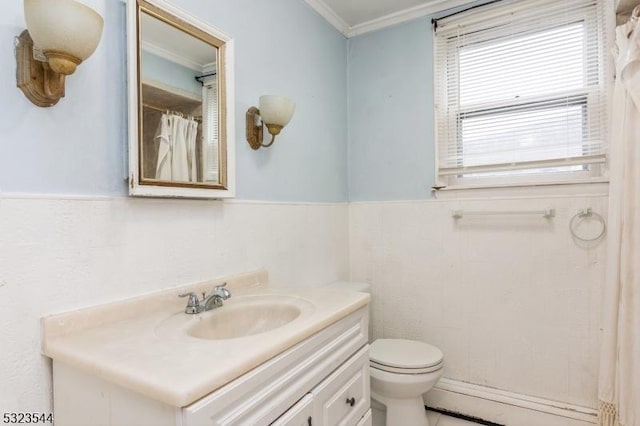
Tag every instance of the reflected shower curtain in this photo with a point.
(179, 158)
(163, 165)
(619, 380)
(176, 137)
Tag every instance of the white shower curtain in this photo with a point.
(176, 138)
(163, 164)
(179, 158)
(619, 381)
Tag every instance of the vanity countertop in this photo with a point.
(119, 342)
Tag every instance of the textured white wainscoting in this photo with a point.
(63, 254)
(513, 302)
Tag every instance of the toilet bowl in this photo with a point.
(401, 371)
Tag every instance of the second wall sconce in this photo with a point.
(275, 112)
(60, 35)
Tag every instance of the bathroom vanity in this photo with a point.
(285, 357)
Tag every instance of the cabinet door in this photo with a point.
(298, 415)
(344, 397)
(366, 419)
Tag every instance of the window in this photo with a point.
(521, 93)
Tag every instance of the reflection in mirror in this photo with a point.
(179, 103)
(178, 77)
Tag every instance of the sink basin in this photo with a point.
(239, 317)
(244, 319)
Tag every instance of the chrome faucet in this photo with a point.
(215, 300)
(217, 297)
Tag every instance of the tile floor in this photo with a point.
(437, 419)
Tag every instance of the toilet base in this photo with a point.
(378, 416)
(403, 412)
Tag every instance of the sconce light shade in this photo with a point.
(275, 112)
(60, 35)
(66, 31)
(276, 109)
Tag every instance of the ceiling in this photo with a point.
(355, 17)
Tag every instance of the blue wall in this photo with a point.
(391, 111)
(390, 76)
(282, 47)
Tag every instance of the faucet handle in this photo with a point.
(193, 304)
(221, 291)
(193, 299)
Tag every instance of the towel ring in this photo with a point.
(581, 215)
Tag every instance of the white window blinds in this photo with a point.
(211, 146)
(521, 90)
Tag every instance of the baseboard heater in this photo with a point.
(516, 408)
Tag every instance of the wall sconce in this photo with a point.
(275, 112)
(64, 33)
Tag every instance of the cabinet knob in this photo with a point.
(309, 421)
(351, 401)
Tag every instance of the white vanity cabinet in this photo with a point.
(341, 399)
(300, 414)
(323, 380)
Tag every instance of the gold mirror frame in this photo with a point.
(139, 185)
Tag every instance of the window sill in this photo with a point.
(596, 186)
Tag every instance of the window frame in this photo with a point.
(597, 85)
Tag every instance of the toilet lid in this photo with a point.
(404, 354)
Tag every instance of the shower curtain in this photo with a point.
(619, 380)
(176, 137)
(163, 164)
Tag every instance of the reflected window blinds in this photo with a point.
(211, 157)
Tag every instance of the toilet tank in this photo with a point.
(352, 285)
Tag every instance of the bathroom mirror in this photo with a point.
(180, 104)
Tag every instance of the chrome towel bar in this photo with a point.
(546, 213)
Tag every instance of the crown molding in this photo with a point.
(405, 15)
(429, 8)
(327, 13)
(170, 56)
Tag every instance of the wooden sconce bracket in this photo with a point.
(38, 82)
(254, 132)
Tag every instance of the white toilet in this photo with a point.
(401, 372)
